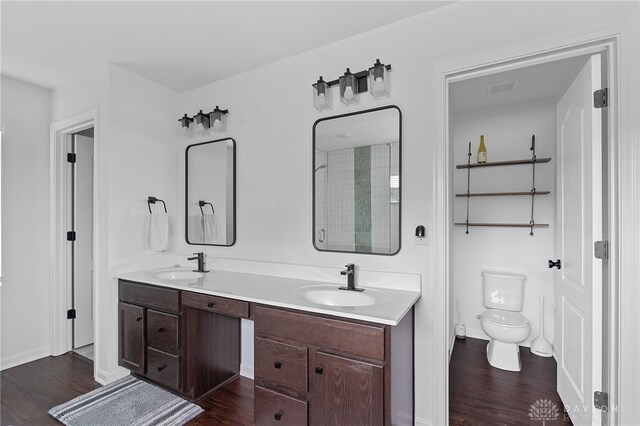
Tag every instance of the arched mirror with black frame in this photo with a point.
(210, 207)
(356, 182)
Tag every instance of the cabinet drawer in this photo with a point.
(272, 408)
(281, 366)
(150, 296)
(219, 305)
(163, 368)
(162, 331)
(339, 335)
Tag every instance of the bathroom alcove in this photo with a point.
(507, 108)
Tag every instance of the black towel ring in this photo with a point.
(153, 200)
(202, 203)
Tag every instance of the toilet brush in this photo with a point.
(460, 329)
(541, 346)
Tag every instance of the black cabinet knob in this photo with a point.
(159, 329)
(162, 367)
(139, 319)
(277, 364)
(277, 416)
(318, 370)
(211, 304)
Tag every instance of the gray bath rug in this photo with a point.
(128, 401)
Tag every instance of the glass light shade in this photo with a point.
(378, 80)
(186, 127)
(321, 95)
(201, 121)
(218, 120)
(348, 88)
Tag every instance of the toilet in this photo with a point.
(503, 295)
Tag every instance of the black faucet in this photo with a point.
(201, 263)
(350, 272)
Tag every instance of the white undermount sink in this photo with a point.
(329, 295)
(179, 274)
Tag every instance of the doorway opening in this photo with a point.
(74, 237)
(546, 199)
(80, 241)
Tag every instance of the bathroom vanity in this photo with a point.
(314, 364)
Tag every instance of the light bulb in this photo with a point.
(378, 85)
(200, 129)
(322, 100)
(348, 93)
(217, 124)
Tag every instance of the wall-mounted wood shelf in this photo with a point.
(499, 194)
(505, 225)
(532, 193)
(503, 163)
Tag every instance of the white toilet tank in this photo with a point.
(503, 290)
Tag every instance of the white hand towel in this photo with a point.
(210, 228)
(158, 231)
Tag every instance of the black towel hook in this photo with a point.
(202, 203)
(153, 200)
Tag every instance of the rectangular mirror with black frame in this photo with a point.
(356, 182)
(210, 212)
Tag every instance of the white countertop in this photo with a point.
(279, 291)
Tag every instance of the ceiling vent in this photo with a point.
(494, 89)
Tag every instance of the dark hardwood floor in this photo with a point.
(28, 391)
(482, 394)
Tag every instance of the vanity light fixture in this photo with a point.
(374, 79)
(200, 124)
(378, 80)
(321, 95)
(217, 119)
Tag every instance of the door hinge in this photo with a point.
(71, 157)
(71, 314)
(71, 235)
(601, 400)
(601, 250)
(601, 98)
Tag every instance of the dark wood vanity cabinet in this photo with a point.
(187, 342)
(131, 333)
(331, 371)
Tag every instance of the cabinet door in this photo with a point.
(131, 332)
(346, 392)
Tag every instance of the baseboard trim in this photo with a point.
(24, 357)
(104, 378)
(422, 422)
(246, 371)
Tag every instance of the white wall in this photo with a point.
(271, 116)
(24, 327)
(507, 131)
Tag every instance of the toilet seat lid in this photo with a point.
(506, 318)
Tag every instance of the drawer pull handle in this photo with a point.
(159, 329)
(162, 367)
(318, 370)
(139, 319)
(277, 416)
(211, 304)
(277, 364)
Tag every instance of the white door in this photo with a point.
(83, 262)
(578, 284)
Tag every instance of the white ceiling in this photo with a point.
(179, 44)
(548, 80)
